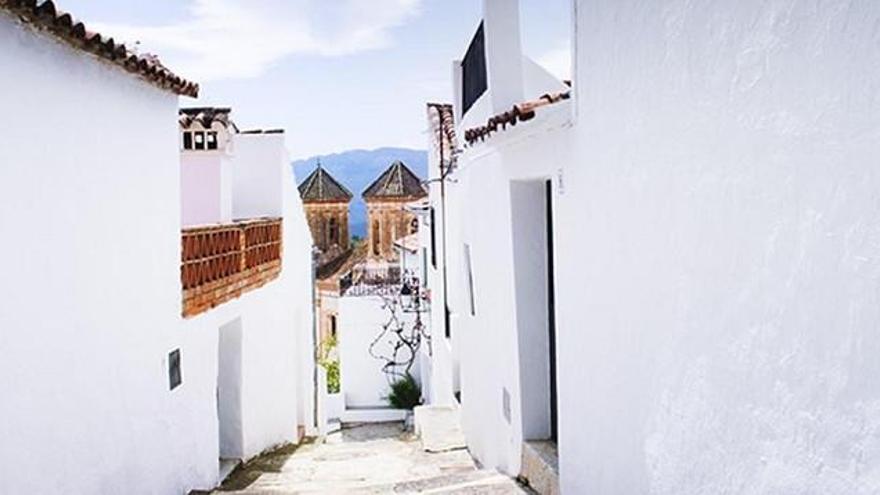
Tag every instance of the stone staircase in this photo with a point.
(376, 459)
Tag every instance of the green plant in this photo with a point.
(405, 393)
(330, 363)
(332, 368)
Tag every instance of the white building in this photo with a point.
(695, 229)
(108, 388)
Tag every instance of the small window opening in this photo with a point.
(212, 140)
(375, 238)
(433, 239)
(334, 231)
(174, 376)
(333, 326)
(469, 273)
(199, 138)
(187, 141)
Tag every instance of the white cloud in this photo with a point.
(224, 39)
(557, 62)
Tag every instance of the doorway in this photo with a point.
(230, 433)
(551, 307)
(533, 247)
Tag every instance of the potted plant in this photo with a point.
(406, 393)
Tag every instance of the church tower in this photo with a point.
(326, 201)
(387, 219)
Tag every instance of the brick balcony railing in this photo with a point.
(222, 262)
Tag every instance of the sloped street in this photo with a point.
(378, 459)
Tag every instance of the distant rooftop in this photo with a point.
(320, 186)
(43, 16)
(397, 181)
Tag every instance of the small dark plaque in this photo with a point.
(174, 376)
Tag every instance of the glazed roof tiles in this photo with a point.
(397, 181)
(43, 15)
(321, 186)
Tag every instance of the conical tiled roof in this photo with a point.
(321, 186)
(398, 181)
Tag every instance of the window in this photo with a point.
(212, 140)
(414, 226)
(199, 138)
(193, 140)
(334, 231)
(333, 325)
(469, 274)
(473, 71)
(433, 239)
(375, 238)
(174, 376)
(424, 264)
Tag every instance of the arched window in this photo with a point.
(334, 231)
(375, 238)
(325, 234)
(413, 225)
(319, 232)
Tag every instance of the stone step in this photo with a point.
(447, 481)
(439, 428)
(227, 466)
(540, 466)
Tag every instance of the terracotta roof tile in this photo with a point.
(444, 118)
(320, 186)
(397, 181)
(206, 116)
(263, 131)
(519, 113)
(43, 14)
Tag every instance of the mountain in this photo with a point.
(357, 169)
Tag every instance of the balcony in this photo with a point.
(222, 262)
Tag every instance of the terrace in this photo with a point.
(222, 262)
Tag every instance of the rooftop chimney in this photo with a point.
(503, 53)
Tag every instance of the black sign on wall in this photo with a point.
(474, 80)
(174, 376)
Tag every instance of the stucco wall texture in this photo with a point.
(720, 307)
(92, 295)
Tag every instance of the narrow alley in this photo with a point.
(371, 458)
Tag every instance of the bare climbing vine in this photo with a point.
(404, 332)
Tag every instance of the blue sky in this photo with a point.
(336, 74)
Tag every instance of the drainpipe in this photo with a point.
(444, 171)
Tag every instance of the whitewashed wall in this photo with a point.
(441, 385)
(92, 301)
(206, 183)
(487, 342)
(360, 322)
(719, 229)
(90, 291)
(256, 190)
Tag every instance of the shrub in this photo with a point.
(332, 368)
(405, 393)
(330, 362)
